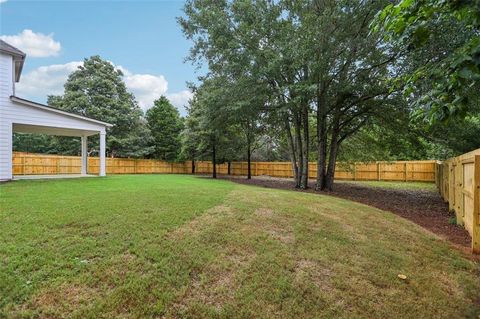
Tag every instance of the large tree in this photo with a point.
(97, 90)
(210, 131)
(231, 45)
(348, 73)
(317, 59)
(165, 125)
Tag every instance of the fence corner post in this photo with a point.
(23, 164)
(476, 207)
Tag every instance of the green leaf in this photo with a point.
(466, 73)
(420, 36)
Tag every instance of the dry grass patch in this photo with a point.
(195, 226)
(273, 224)
(264, 212)
(213, 288)
(314, 272)
(58, 301)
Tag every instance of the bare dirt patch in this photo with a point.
(423, 207)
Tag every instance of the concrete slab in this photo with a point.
(58, 176)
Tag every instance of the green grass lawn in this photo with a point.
(180, 246)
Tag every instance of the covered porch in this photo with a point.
(36, 118)
(54, 170)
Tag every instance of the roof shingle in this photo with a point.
(4, 46)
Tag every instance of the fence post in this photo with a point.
(355, 171)
(378, 171)
(451, 186)
(460, 182)
(476, 207)
(406, 176)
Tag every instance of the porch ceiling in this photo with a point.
(50, 130)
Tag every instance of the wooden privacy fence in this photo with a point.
(49, 164)
(45, 164)
(458, 180)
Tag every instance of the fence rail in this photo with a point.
(46, 164)
(458, 181)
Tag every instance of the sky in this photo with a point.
(142, 38)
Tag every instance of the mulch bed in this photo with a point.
(423, 207)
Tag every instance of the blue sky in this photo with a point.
(141, 37)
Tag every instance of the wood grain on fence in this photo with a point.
(458, 180)
(46, 164)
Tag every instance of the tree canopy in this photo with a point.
(97, 90)
(446, 81)
(331, 78)
(165, 126)
(312, 60)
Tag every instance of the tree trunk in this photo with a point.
(229, 168)
(214, 161)
(299, 148)
(305, 148)
(193, 166)
(332, 156)
(291, 144)
(321, 144)
(249, 160)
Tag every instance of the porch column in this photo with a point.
(102, 154)
(84, 155)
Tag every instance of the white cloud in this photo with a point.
(3, 1)
(180, 100)
(45, 80)
(146, 87)
(34, 44)
(49, 80)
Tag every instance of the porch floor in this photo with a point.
(20, 177)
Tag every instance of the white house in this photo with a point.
(20, 115)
